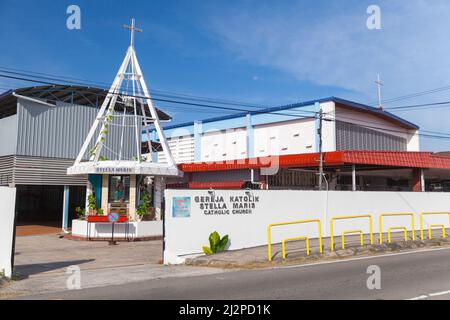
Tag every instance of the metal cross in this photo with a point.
(133, 29)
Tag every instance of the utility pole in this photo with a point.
(379, 84)
(320, 149)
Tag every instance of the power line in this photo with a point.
(420, 106)
(294, 113)
(412, 95)
(105, 85)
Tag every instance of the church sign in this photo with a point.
(227, 205)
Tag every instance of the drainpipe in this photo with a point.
(252, 177)
(65, 220)
(353, 177)
(422, 179)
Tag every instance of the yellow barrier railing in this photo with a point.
(422, 214)
(437, 226)
(283, 245)
(269, 234)
(404, 229)
(347, 218)
(380, 222)
(361, 237)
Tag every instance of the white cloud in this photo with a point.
(327, 43)
(333, 46)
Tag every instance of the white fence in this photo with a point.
(7, 209)
(191, 215)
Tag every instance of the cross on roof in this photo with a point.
(133, 29)
(379, 85)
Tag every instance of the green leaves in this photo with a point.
(214, 240)
(92, 202)
(207, 251)
(222, 244)
(143, 208)
(216, 244)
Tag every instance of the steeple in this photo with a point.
(129, 101)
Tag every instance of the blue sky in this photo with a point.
(261, 52)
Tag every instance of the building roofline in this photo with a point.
(346, 103)
(6, 93)
(81, 95)
(376, 111)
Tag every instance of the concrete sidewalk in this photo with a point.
(42, 264)
(49, 253)
(296, 251)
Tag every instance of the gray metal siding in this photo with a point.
(8, 135)
(354, 137)
(112, 143)
(6, 170)
(44, 171)
(59, 132)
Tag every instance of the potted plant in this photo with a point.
(92, 205)
(144, 211)
(80, 213)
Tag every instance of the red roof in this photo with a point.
(378, 158)
(208, 185)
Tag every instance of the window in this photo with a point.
(119, 189)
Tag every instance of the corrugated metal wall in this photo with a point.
(44, 171)
(8, 135)
(293, 180)
(6, 170)
(59, 132)
(353, 137)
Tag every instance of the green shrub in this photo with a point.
(143, 208)
(92, 203)
(216, 244)
(80, 212)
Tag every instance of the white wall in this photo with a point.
(140, 229)
(328, 127)
(185, 236)
(414, 141)
(182, 148)
(224, 145)
(7, 209)
(292, 137)
(372, 121)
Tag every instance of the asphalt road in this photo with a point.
(419, 275)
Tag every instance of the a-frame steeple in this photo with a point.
(129, 100)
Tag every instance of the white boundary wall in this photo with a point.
(185, 236)
(140, 229)
(7, 210)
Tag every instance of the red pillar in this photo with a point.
(417, 180)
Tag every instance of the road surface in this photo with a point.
(411, 275)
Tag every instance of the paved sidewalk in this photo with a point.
(50, 253)
(42, 262)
